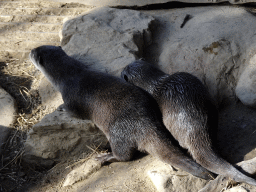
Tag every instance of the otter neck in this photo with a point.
(64, 73)
(155, 83)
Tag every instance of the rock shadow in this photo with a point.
(237, 133)
(18, 87)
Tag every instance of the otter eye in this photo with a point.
(125, 78)
(40, 60)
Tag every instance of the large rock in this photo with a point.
(7, 115)
(58, 136)
(208, 42)
(107, 39)
(211, 44)
(138, 3)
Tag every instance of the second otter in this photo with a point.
(188, 113)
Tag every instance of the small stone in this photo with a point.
(249, 166)
(159, 180)
(237, 189)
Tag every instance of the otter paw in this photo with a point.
(106, 157)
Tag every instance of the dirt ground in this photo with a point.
(25, 24)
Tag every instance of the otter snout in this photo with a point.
(34, 58)
(32, 54)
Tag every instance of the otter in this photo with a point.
(189, 113)
(127, 115)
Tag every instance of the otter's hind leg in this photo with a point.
(106, 157)
(122, 150)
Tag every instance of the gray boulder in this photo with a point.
(211, 44)
(208, 42)
(58, 136)
(107, 39)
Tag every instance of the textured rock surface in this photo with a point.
(237, 189)
(212, 45)
(166, 178)
(7, 115)
(137, 177)
(221, 182)
(60, 136)
(82, 172)
(107, 39)
(137, 3)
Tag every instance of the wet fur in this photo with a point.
(128, 115)
(188, 113)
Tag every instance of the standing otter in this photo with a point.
(188, 113)
(128, 115)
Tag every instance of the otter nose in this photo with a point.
(32, 53)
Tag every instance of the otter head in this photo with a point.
(142, 74)
(42, 57)
(49, 60)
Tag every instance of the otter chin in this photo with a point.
(127, 115)
(189, 114)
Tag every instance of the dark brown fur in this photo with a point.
(188, 113)
(128, 115)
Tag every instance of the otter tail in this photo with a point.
(205, 156)
(172, 155)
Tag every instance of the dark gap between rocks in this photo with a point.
(175, 4)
